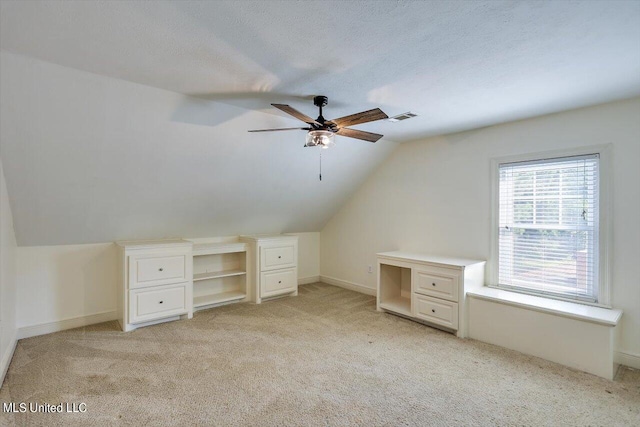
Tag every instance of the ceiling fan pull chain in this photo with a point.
(320, 165)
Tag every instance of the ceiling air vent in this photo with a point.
(403, 116)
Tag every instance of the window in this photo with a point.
(549, 227)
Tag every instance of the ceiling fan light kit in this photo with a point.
(322, 138)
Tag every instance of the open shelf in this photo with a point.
(218, 298)
(218, 274)
(395, 289)
(400, 305)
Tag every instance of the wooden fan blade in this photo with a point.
(363, 117)
(295, 113)
(359, 134)
(274, 130)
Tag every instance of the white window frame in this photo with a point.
(604, 225)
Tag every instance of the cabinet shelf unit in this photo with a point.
(220, 274)
(273, 265)
(155, 282)
(429, 289)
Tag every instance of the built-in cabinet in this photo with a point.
(155, 282)
(273, 265)
(163, 280)
(430, 289)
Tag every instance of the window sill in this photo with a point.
(598, 315)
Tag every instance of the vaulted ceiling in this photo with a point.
(96, 157)
(91, 159)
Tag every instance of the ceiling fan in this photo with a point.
(321, 131)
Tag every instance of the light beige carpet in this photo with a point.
(325, 357)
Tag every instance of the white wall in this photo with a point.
(67, 286)
(434, 196)
(7, 279)
(308, 257)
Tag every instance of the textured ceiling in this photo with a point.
(459, 64)
(90, 155)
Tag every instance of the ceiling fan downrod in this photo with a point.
(320, 101)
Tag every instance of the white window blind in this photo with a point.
(548, 227)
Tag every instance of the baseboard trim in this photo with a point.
(627, 359)
(6, 359)
(61, 325)
(348, 285)
(308, 280)
(621, 357)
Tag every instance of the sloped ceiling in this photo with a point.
(139, 131)
(90, 159)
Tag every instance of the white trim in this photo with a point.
(61, 325)
(552, 159)
(572, 310)
(6, 359)
(348, 285)
(627, 359)
(492, 264)
(550, 296)
(308, 280)
(604, 226)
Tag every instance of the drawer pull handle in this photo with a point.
(433, 284)
(433, 310)
(161, 302)
(279, 281)
(279, 256)
(160, 269)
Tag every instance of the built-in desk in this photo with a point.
(427, 288)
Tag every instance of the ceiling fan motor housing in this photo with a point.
(320, 101)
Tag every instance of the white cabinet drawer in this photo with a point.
(156, 303)
(274, 257)
(436, 284)
(278, 282)
(436, 311)
(157, 270)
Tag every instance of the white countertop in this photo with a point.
(433, 259)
